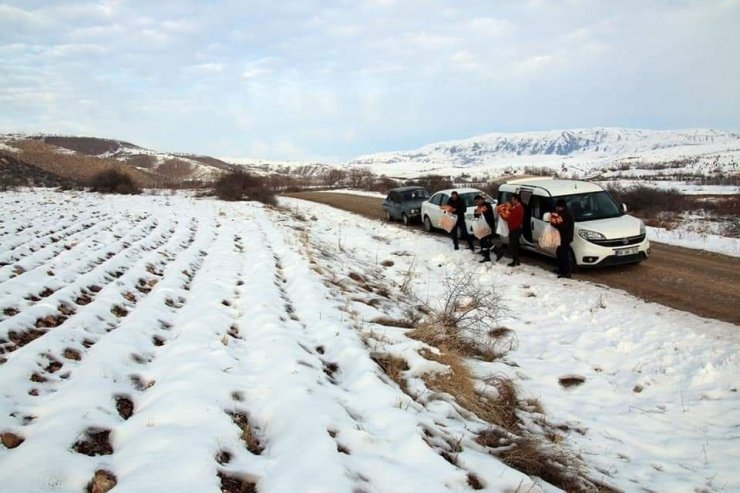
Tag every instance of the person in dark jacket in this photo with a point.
(456, 205)
(515, 222)
(486, 210)
(566, 229)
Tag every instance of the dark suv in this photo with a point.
(404, 203)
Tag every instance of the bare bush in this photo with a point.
(114, 181)
(465, 306)
(432, 183)
(239, 185)
(647, 201)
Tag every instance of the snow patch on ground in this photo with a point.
(685, 237)
(198, 311)
(362, 193)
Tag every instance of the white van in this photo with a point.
(604, 233)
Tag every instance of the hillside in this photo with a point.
(583, 152)
(81, 157)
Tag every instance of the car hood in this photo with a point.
(614, 227)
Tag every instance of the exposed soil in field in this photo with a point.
(700, 282)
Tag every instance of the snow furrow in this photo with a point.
(115, 368)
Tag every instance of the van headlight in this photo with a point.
(642, 227)
(590, 235)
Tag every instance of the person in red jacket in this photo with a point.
(515, 222)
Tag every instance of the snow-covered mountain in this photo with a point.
(580, 151)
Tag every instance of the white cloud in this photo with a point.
(399, 74)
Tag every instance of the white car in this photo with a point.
(431, 210)
(604, 233)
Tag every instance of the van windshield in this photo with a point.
(591, 206)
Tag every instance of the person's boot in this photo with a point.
(486, 257)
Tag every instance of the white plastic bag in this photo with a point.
(550, 238)
(502, 227)
(481, 229)
(448, 222)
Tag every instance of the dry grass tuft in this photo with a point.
(248, 436)
(102, 482)
(94, 442)
(394, 322)
(458, 382)
(568, 381)
(393, 366)
(11, 440)
(233, 484)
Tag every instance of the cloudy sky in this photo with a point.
(330, 80)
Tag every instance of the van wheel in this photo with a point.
(427, 224)
(405, 219)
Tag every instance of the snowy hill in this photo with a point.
(585, 152)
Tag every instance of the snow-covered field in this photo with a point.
(683, 187)
(188, 344)
(687, 236)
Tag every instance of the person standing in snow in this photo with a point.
(485, 209)
(456, 205)
(565, 226)
(515, 222)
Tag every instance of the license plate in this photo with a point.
(626, 251)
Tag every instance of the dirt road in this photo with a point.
(704, 283)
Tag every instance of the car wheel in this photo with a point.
(388, 216)
(428, 224)
(405, 219)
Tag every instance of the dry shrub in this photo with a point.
(535, 457)
(239, 185)
(114, 180)
(465, 305)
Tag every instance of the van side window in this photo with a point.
(504, 197)
(540, 205)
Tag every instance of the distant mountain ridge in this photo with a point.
(586, 148)
(577, 152)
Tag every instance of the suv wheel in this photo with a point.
(405, 219)
(428, 224)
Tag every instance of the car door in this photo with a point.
(433, 209)
(539, 206)
(526, 195)
(388, 204)
(396, 205)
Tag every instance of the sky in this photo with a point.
(329, 80)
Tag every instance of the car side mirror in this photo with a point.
(624, 208)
